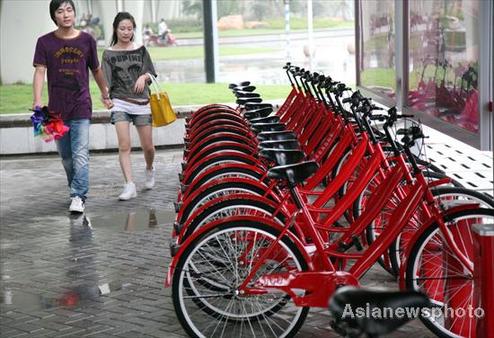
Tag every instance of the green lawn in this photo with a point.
(276, 26)
(18, 98)
(197, 52)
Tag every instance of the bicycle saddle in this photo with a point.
(276, 135)
(347, 300)
(244, 100)
(267, 119)
(242, 94)
(241, 84)
(282, 156)
(256, 113)
(253, 105)
(280, 144)
(259, 127)
(244, 88)
(294, 173)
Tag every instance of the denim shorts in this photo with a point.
(138, 120)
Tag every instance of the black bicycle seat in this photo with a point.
(267, 119)
(383, 309)
(244, 88)
(294, 173)
(241, 84)
(282, 156)
(254, 105)
(280, 144)
(259, 127)
(244, 100)
(242, 94)
(259, 112)
(276, 135)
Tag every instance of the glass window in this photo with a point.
(377, 57)
(443, 60)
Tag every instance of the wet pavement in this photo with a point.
(99, 274)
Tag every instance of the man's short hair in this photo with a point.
(55, 4)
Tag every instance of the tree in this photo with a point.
(193, 7)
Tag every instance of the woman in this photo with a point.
(128, 69)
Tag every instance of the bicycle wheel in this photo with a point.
(223, 171)
(446, 196)
(233, 206)
(434, 269)
(214, 160)
(223, 188)
(223, 257)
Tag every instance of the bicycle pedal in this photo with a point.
(174, 247)
(177, 227)
(357, 244)
(177, 205)
(342, 247)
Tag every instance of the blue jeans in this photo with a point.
(73, 148)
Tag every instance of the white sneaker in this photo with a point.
(77, 204)
(149, 184)
(128, 192)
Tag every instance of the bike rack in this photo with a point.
(484, 277)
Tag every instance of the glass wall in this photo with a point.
(444, 60)
(377, 46)
(255, 41)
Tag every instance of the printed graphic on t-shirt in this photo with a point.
(69, 56)
(126, 68)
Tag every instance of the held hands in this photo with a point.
(107, 102)
(140, 84)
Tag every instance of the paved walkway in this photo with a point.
(101, 274)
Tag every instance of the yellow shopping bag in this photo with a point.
(161, 109)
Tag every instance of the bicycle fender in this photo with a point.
(446, 213)
(237, 196)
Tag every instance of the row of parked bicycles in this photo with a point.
(280, 211)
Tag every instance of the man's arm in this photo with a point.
(103, 88)
(38, 81)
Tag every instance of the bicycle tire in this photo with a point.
(220, 189)
(429, 255)
(397, 247)
(237, 205)
(182, 279)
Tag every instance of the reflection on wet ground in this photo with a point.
(131, 221)
(84, 282)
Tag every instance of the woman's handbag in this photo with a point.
(161, 109)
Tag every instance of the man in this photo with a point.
(66, 55)
(162, 30)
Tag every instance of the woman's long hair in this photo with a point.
(120, 17)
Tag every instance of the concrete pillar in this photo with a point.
(107, 11)
(21, 23)
(136, 8)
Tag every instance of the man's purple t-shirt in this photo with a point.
(67, 62)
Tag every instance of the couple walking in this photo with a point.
(66, 55)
